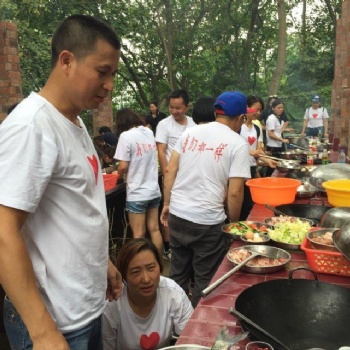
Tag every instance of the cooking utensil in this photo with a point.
(312, 212)
(311, 235)
(300, 141)
(335, 217)
(186, 347)
(304, 313)
(332, 171)
(223, 278)
(306, 191)
(240, 316)
(288, 165)
(272, 252)
(341, 239)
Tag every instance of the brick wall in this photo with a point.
(103, 116)
(10, 74)
(340, 109)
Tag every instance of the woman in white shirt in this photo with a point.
(151, 306)
(137, 156)
(274, 129)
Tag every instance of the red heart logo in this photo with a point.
(149, 342)
(251, 140)
(314, 115)
(94, 164)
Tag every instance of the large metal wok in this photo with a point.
(300, 313)
(308, 211)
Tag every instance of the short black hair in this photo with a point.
(203, 110)
(180, 93)
(79, 35)
(104, 129)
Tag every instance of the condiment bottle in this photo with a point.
(325, 159)
(342, 156)
(310, 157)
(320, 135)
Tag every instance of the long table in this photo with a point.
(211, 314)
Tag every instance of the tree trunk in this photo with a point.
(282, 46)
(331, 13)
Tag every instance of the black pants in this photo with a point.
(248, 203)
(275, 152)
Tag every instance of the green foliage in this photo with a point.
(214, 45)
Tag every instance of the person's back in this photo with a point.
(198, 192)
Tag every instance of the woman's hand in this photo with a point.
(114, 282)
(285, 140)
(164, 216)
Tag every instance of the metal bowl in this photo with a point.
(271, 221)
(226, 228)
(318, 233)
(335, 217)
(306, 191)
(264, 236)
(288, 165)
(341, 239)
(333, 171)
(273, 252)
(293, 155)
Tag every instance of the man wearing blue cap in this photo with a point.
(208, 167)
(315, 119)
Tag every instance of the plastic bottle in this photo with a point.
(325, 159)
(310, 157)
(342, 156)
(320, 135)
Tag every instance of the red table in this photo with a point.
(211, 314)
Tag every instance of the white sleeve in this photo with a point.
(123, 151)
(270, 122)
(325, 114)
(306, 115)
(161, 132)
(183, 313)
(109, 327)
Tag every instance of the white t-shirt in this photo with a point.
(138, 147)
(169, 131)
(274, 123)
(209, 155)
(50, 169)
(315, 117)
(251, 136)
(124, 330)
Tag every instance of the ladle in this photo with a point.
(242, 317)
(223, 278)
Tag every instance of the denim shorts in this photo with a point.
(140, 207)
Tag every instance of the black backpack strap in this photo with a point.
(257, 130)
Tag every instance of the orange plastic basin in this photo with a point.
(273, 190)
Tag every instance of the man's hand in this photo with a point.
(114, 282)
(285, 140)
(164, 216)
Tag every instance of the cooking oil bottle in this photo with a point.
(325, 159)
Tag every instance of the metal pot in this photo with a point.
(288, 165)
(333, 171)
(294, 155)
(312, 212)
(299, 141)
(301, 313)
(306, 191)
(335, 217)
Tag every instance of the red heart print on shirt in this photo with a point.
(149, 342)
(94, 164)
(251, 139)
(314, 115)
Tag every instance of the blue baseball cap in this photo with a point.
(315, 98)
(231, 103)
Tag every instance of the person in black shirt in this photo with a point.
(154, 117)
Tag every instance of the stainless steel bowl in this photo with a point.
(273, 252)
(335, 217)
(306, 191)
(311, 235)
(333, 171)
(226, 228)
(264, 236)
(341, 239)
(288, 165)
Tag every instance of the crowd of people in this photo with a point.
(62, 290)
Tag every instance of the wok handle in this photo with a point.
(291, 272)
(236, 313)
(223, 278)
(276, 211)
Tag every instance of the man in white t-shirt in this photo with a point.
(315, 119)
(168, 132)
(54, 225)
(208, 166)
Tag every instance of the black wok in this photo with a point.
(300, 313)
(308, 211)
